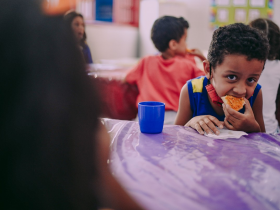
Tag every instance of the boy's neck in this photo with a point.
(218, 109)
(168, 54)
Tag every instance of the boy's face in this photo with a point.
(182, 45)
(236, 76)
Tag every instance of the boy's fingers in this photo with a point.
(248, 107)
(216, 121)
(230, 119)
(211, 125)
(229, 126)
(229, 111)
(225, 110)
(247, 103)
(198, 128)
(205, 127)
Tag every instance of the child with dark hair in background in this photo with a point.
(270, 78)
(161, 77)
(76, 22)
(54, 150)
(236, 59)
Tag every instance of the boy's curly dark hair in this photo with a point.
(238, 39)
(272, 31)
(167, 28)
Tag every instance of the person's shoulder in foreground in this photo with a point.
(54, 149)
(235, 61)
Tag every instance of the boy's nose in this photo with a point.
(240, 90)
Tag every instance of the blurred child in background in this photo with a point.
(236, 59)
(161, 77)
(76, 22)
(54, 149)
(270, 78)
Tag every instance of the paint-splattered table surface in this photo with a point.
(180, 169)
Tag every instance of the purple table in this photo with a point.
(180, 169)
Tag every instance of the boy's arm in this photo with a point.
(203, 123)
(197, 72)
(258, 110)
(198, 53)
(184, 113)
(252, 119)
(194, 69)
(135, 73)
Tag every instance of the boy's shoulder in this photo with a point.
(176, 58)
(175, 62)
(151, 57)
(197, 84)
(147, 59)
(198, 80)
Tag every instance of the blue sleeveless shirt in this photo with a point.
(200, 104)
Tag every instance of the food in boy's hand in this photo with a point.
(188, 50)
(234, 102)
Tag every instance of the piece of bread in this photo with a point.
(233, 102)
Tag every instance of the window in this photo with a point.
(115, 11)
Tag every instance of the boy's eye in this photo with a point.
(231, 77)
(251, 80)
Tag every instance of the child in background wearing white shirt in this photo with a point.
(270, 77)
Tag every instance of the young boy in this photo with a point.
(161, 77)
(236, 58)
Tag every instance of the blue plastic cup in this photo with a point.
(151, 116)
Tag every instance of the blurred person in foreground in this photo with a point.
(76, 22)
(270, 77)
(161, 77)
(54, 150)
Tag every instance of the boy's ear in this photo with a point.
(173, 44)
(206, 67)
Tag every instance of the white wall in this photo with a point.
(196, 12)
(276, 15)
(198, 15)
(109, 41)
(149, 12)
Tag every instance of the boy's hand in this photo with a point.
(205, 123)
(198, 53)
(235, 120)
